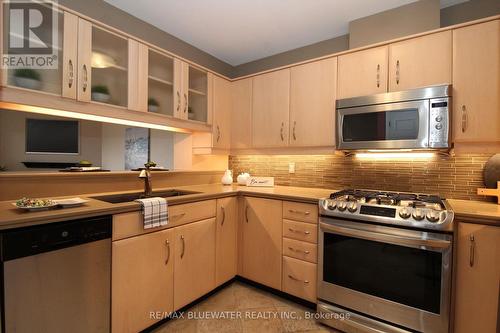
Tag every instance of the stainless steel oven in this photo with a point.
(413, 119)
(388, 279)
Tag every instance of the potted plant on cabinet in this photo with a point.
(100, 93)
(27, 78)
(153, 105)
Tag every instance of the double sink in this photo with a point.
(128, 197)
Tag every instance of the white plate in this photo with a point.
(36, 208)
(70, 202)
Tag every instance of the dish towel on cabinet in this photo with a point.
(154, 211)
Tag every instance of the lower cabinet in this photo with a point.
(194, 261)
(261, 241)
(226, 259)
(299, 278)
(142, 280)
(477, 279)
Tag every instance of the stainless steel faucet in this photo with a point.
(146, 175)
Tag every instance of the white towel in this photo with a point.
(155, 212)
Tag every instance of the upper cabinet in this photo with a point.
(420, 62)
(195, 94)
(160, 83)
(221, 127)
(476, 83)
(363, 73)
(241, 118)
(270, 109)
(312, 103)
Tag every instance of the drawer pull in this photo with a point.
(471, 250)
(246, 214)
(178, 215)
(183, 246)
(223, 215)
(294, 211)
(167, 244)
(297, 250)
(295, 279)
(299, 231)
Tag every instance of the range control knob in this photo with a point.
(432, 216)
(418, 214)
(352, 207)
(341, 206)
(331, 205)
(405, 213)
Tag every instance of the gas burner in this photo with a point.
(404, 209)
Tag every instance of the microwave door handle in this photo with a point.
(417, 242)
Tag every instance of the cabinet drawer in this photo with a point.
(131, 224)
(300, 250)
(299, 278)
(300, 212)
(300, 231)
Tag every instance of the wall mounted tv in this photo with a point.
(52, 136)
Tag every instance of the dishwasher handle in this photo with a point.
(24, 242)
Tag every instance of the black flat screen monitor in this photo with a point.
(52, 136)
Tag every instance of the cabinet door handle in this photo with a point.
(71, 74)
(297, 250)
(246, 213)
(378, 75)
(282, 134)
(85, 78)
(294, 278)
(397, 72)
(471, 250)
(218, 133)
(299, 231)
(167, 244)
(223, 215)
(185, 102)
(464, 119)
(293, 211)
(178, 100)
(293, 131)
(183, 246)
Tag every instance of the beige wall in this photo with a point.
(406, 20)
(13, 142)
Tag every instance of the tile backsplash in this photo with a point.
(451, 177)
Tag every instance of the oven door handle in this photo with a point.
(416, 242)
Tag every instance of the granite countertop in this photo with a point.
(11, 217)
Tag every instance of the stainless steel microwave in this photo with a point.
(412, 119)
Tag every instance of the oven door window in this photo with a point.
(401, 274)
(380, 126)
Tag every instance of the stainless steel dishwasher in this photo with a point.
(56, 277)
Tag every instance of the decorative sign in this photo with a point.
(260, 181)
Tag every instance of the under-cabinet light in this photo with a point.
(394, 155)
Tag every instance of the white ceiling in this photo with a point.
(239, 31)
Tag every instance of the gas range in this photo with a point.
(411, 210)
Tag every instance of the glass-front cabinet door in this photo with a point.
(109, 63)
(161, 84)
(197, 95)
(17, 45)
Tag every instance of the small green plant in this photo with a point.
(150, 164)
(152, 101)
(100, 89)
(27, 74)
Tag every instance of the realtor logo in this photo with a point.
(31, 34)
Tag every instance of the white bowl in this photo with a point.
(27, 83)
(153, 108)
(100, 97)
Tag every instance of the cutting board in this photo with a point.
(491, 191)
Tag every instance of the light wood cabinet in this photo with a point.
(301, 231)
(476, 83)
(270, 109)
(477, 278)
(363, 73)
(299, 278)
(225, 239)
(221, 127)
(142, 280)
(241, 114)
(194, 261)
(420, 62)
(312, 103)
(261, 241)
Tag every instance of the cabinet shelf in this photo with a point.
(160, 80)
(114, 67)
(197, 92)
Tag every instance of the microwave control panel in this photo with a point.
(439, 123)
